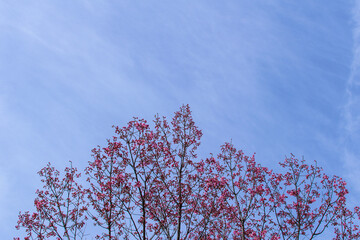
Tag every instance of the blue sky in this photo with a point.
(276, 77)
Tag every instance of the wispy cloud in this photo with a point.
(351, 110)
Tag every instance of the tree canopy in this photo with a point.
(149, 183)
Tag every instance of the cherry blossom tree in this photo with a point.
(242, 197)
(60, 207)
(306, 201)
(108, 191)
(148, 183)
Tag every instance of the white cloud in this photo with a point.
(351, 110)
